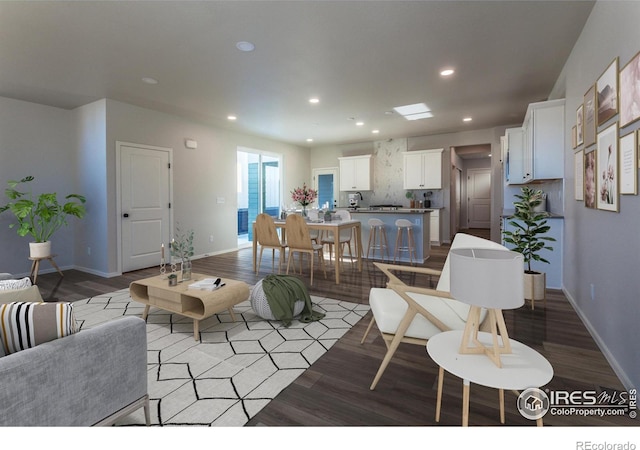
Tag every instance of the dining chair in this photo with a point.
(315, 235)
(299, 241)
(267, 236)
(345, 236)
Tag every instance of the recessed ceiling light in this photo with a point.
(231, 117)
(447, 72)
(359, 124)
(309, 140)
(388, 113)
(375, 131)
(149, 80)
(245, 46)
(467, 119)
(314, 100)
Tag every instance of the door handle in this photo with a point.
(125, 215)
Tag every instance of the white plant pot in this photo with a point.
(40, 249)
(535, 285)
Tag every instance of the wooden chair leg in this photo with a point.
(402, 328)
(366, 333)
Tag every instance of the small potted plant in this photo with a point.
(40, 216)
(412, 202)
(182, 248)
(528, 237)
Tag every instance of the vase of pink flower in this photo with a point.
(304, 196)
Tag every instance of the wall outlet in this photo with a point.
(88, 250)
(211, 238)
(593, 291)
(220, 200)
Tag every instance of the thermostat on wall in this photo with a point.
(190, 143)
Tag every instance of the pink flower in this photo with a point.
(304, 195)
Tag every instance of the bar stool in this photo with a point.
(377, 238)
(404, 224)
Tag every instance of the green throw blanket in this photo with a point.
(282, 292)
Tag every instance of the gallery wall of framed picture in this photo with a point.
(606, 151)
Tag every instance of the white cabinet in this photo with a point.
(514, 166)
(423, 169)
(535, 150)
(434, 229)
(544, 141)
(356, 173)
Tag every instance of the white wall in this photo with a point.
(603, 248)
(35, 140)
(90, 133)
(74, 152)
(200, 176)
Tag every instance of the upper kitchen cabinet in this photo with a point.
(423, 169)
(356, 173)
(514, 159)
(544, 140)
(535, 151)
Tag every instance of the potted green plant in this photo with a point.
(40, 216)
(528, 237)
(412, 202)
(181, 247)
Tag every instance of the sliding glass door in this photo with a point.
(259, 189)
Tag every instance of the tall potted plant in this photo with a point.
(40, 216)
(528, 237)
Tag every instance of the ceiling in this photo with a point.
(360, 58)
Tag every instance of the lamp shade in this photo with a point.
(490, 278)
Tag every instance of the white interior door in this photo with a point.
(144, 205)
(479, 198)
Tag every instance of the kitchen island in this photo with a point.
(421, 232)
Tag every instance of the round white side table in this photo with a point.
(521, 369)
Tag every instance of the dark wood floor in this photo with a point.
(334, 391)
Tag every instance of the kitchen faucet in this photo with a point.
(360, 194)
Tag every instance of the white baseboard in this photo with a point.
(96, 272)
(624, 378)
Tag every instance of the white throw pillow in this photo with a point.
(8, 285)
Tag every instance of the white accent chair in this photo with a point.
(412, 314)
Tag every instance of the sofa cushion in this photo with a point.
(12, 284)
(26, 324)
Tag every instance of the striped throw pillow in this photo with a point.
(25, 324)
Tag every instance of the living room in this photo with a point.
(74, 150)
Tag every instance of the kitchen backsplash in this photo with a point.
(388, 178)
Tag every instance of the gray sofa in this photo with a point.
(92, 377)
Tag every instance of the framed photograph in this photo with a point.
(607, 175)
(578, 170)
(589, 131)
(580, 125)
(630, 91)
(607, 87)
(628, 164)
(574, 141)
(590, 171)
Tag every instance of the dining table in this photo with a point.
(334, 226)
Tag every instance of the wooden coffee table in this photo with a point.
(196, 304)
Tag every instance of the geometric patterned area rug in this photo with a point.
(236, 368)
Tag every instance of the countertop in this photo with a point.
(510, 212)
(392, 211)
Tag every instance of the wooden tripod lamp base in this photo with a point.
(500, 338)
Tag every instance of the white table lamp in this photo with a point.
(491, 279)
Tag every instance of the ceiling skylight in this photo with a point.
(414, 112)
